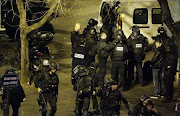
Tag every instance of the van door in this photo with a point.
(156, 20)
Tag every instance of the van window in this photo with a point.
(140, 16)
(156, 16)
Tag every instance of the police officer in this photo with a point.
(138, 45)
(91, 24)
(91, 41)
(139, 106)
(164, 39)
(47, 84)
(15, 98)
(76, 36)
(119, 53)
(117, 31)
(148, 109)
(112, 97)
(94, 76)
(80, 55)
(169, 72)
(109, 16)
(84, 89)
(102, 56)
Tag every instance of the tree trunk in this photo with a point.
(167, 19)
(24, 57)
(24, 30)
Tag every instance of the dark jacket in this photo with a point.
(145, 112)
(47, 82)
(75, 39)
(80, 56)
(99, 49)
(118, 51)
(157, 59)
(112, 99)
(84, 83)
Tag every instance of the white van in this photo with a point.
(144, 13)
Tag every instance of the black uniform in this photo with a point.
(169, 72)
(49, 85)
(119, 53)
(111, 101)
(84, 89)
(94, 77)
(91, 41)
(80, 56)
(109, 17)
(138, 46)
(102, 55)
(16, 96)
(75, 40)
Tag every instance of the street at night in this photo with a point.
(60, 51)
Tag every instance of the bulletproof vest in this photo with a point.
(118, 52)
(50, 81)
(138, 45)
(80, 53)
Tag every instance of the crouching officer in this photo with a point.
(13, 96)
(84, 88)
(112, 96)
(47, 84)
(148, 109)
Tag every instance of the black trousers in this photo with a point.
(15, 107)
(168, 83)
(48, 97)
(95, 102)
(102, 70)
(82, 105)
(117, 72)
(139, 70)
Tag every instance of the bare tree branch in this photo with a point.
(49, 13)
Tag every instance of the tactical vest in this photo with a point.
(118, 52)
(138, 46)
(80, 53)
(50, 82)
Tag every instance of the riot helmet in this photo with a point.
(135, 30)
(92, 31)
(161, 30)
(117, 37)
(53, 66)
(81, 68)
(92, 22)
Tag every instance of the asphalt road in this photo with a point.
(61, 49)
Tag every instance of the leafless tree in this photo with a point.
(60, 7)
